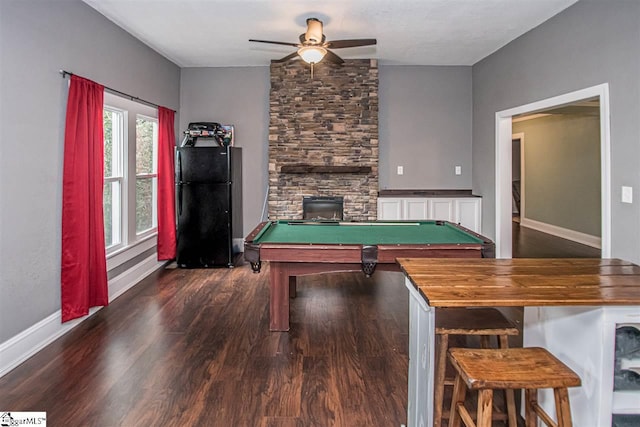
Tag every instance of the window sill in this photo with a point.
(124, 254)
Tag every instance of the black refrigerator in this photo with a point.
(208, 205)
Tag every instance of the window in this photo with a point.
(113, 176)
(146, 174)
(130, 173)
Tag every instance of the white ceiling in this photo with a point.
(215, 33)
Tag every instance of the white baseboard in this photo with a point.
(19, 348)
(565, 233)
(125, 281)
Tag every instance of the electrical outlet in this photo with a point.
(400, 170)
(458, 170)
(627, 194)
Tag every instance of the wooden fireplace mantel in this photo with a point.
(309, 168)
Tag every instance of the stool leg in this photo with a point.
(485, 406)
(485, 341)
(563, 409)
(509, 395)
(459, 394)
(531, 400)
(441, 368)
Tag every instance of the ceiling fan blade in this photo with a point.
(340, 44)
(332, 57)
(286, 58)
(272, 42)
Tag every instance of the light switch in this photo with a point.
(627, 194)
(400, 170)
(458, 170)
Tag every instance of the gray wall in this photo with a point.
(237, 96)
(425, 126)
(38, 38)
(590, 43)
(562, 171)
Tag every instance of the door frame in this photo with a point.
(503, 129)
(520, 137)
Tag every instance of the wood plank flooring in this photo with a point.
(529, 243)
(192, 348)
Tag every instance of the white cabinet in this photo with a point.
(390, 208)
(586, 339)
(466, 211)
(417, 208)
(441, 208)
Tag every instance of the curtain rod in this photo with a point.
(117, 92)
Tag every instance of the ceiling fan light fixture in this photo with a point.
(313, 48)
(312, 54)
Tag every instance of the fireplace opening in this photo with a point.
(322, 208)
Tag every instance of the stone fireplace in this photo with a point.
(323, 137)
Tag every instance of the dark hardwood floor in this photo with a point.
(192, 348)
(529, 243)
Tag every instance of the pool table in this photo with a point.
(298, 247)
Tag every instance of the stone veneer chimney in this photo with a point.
(323, 136)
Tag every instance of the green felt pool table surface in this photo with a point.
(364, 233)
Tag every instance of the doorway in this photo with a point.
(568, 131)
(504, 191)
(516, 174)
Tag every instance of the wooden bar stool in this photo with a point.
(530, 368)
(482, 322)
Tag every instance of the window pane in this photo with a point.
(107, 117)
(145, 204)
(145, 145)
(146, 164)
(113, 121)
(111, 204)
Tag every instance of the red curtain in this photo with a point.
(83, 264)
(166, 189)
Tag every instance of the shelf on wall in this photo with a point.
(308, 168)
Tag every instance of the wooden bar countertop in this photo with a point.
(522, 282)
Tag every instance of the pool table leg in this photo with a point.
(293, 288)
(279, 297)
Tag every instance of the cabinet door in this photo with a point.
(441, 208)
(416, 209)
(468, 213)
(389, 208)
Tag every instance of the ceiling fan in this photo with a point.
(313, 46)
